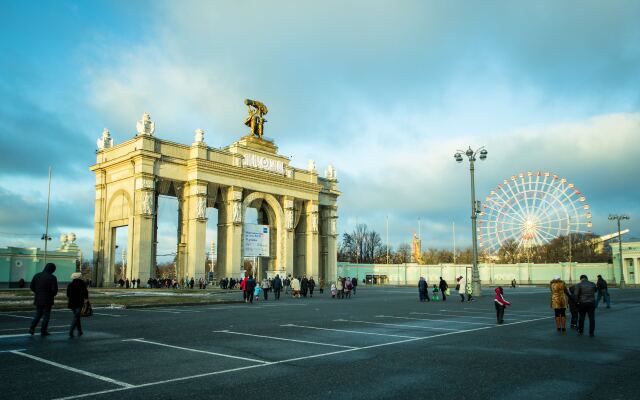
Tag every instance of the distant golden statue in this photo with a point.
(255, 121)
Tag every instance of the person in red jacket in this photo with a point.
(243, 286)
(501, 303)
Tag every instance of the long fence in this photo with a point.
(491, 274)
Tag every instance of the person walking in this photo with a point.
(277, 287)
(443, 288)
(573, 306)
(295, 287)
(304, 285)
(243, 286)
(77, 294)
(311, 285)
(334, 291)
(321, 285)
(559, 302)
(339, 288)
(45, 287)
(347, 288)
(287, 284)
(586, 299)
(250, 286)
(423, 289)
(265, 288)
(354, 283)
(461, 287)
(501, 303)
(603, 291)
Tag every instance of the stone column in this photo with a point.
(99, 232)
(183, 228)
(331, 220)
(195, 214)
(288, 235)
(141, 252)
(312, 250)
(230, 233)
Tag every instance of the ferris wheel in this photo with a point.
(532, 209)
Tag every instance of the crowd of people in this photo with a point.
(44, 285)
(441, 290)
(582, 298)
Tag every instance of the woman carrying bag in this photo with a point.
(77, 294)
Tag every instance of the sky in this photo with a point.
(386, 91)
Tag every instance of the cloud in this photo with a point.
(385, 93)
(418, 178)
(33, 138)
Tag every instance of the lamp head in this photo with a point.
(458, 157)
(469, 152)
(483, 154)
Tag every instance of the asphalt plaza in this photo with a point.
(382, 343)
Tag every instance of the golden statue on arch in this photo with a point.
(255, 120)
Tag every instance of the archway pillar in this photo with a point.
(99, 232)
(288, 235)
(141, 250)
(312, 235)
(330, 219)
(194, 210)
(230, 232)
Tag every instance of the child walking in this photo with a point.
(501, 303)
(435, 297)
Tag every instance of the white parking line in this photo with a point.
(108, 315)
(431, 319)
(518, 313)
(19, 316)
(399, 325)
(180, 310)
(234, 307)
(348, 331)
(78, 371)
(11, 351)
(26, 335)
(285, 339)
(453, 316)
(154, 311)
(290, 360)
(194, 350)
(24, 329)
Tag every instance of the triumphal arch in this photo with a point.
(298, 206)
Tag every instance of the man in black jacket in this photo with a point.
(45, 286)
(585, 295)
(443, 288)
(277, 286)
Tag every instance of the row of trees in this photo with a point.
(365, 246)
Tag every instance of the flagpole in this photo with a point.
(46, 220)
(387, 239)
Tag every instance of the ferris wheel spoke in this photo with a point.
(545, 235)
(497, 210)
(555, 199)
(516, 200)
(506, 203)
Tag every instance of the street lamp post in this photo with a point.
(475, 210)
(618, 218)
